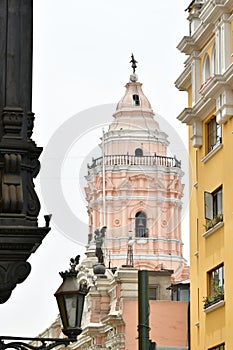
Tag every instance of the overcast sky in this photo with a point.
(82, 51)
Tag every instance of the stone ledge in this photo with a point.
(212, 153)
(214, 306)
(213, 229)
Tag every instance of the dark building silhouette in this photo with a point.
(19, 165)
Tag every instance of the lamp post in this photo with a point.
(143, 311)
(70, 298)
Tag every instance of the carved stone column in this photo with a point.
(19, 165)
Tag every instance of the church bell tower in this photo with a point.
(135, 189)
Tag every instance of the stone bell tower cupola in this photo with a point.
(135, 188)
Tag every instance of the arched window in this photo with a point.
(138, 152)
(206, 69)
(136, 100)
(214, 61)
(140, 224)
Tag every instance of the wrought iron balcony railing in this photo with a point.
(126, 159)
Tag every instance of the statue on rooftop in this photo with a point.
(134, 63)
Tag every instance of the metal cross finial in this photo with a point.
(134, 63)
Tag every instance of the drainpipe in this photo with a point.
(103, 177)
(189, 343)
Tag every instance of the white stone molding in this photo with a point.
(224, 106)
(196, 134)
(212, 10)
(213, 229)
(184, 80)
(196, 82)
(214, 306)
(225, 26)
(212, 153)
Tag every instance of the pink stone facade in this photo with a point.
(168, 326)
(140, 177)
(113, 305)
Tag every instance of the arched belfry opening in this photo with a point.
(136, 100)
(138, 152)
(140, 224)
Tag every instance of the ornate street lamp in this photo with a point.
(70, 298)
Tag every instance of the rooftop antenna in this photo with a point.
(104, 179)
(109, 259)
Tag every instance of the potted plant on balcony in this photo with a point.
(208, 301)
(217, 296)
(212, 222)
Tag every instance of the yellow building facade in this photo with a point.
(208, 79)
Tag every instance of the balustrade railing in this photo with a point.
(141, 232)
(126, 159)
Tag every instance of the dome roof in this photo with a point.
(133, 111)
(134, 99)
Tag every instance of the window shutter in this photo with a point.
(208, 198)
(219, 202)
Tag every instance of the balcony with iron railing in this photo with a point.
(126, 159)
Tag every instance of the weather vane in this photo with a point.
(134, 63)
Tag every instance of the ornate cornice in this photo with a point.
(212, 10)
(16, 245)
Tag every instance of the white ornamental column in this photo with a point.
(196, 81)
(225, 43)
